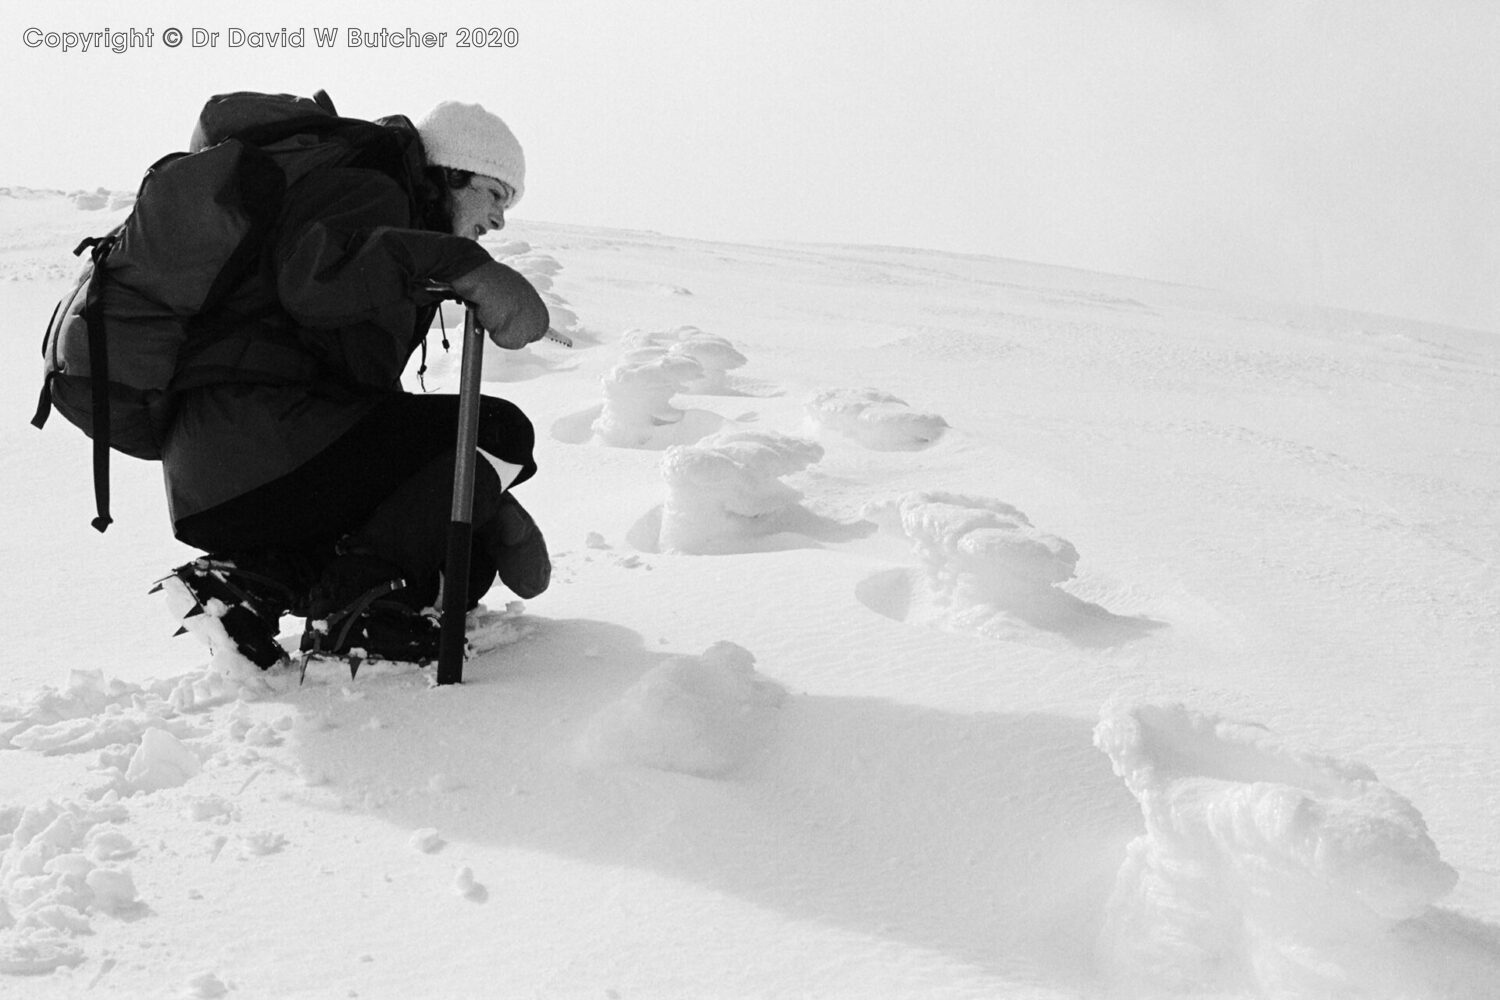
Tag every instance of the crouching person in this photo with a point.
(316, 485)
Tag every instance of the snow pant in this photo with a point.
(378, 502)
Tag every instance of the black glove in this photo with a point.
(505, 304)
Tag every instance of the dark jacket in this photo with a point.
(300, 352)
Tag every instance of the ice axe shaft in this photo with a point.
(461, 524)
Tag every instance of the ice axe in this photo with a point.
(455, 596)
(450, 668)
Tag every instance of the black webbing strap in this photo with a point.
(93, 317)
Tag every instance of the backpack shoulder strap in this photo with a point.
(93, 314)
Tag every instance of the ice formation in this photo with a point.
(727, 489)
(706, 715)
(875, 419)
(1261, 867)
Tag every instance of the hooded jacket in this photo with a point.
(302, 350)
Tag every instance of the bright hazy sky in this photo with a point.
(1343, 152)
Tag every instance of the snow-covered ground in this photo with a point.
(922, 626)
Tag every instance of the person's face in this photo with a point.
(480, 207)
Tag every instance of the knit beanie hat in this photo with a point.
(467, 137)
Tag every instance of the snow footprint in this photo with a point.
(875, 419)
(1261, 866)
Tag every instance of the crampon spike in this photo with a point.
(197, 610)
(156, 588)
(181, 630)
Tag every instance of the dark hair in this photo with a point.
(454, 178)
(437, 212)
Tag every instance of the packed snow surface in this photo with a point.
(921, 626)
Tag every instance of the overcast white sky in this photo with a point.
(1336, 151)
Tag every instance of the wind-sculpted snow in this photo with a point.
(875, 419)
(638, 392)
(726, 491)
(1261, 867)
(715, 355)
(638, 410)
(706, 715)
(983, 567)
(985, 551)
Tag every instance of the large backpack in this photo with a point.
(197, 231)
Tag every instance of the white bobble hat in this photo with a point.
(467, 137)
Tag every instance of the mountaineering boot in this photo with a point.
(356, 611)
(375, 630)
(229, 607)
(521, 558)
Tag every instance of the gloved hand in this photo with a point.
(506, 305)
